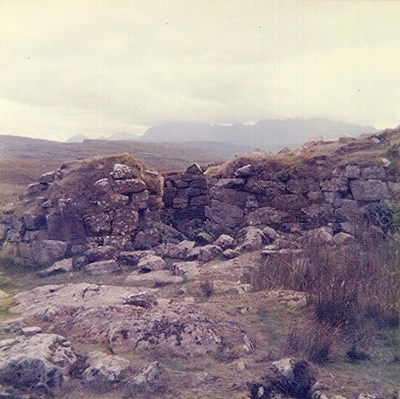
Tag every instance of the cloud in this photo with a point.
(98, 67)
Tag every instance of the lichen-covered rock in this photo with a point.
(121, 171)
(209, 252)
(125, 221)
(250, 238)
(147, 238)
(105, 371)
(99, 314)
(61, 266)
(100, 253)
(98, 224)
(40, 362)
(369, 190)
(225, 241)
(128, 186)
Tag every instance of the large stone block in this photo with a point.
(98, 224)
(65, 227)
(46, 252)
(369, 190)
(126, 221)
(227, 216)
(128, 186)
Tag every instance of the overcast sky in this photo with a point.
(97, 67)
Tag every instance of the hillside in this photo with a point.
(269, 135)
(269, 275)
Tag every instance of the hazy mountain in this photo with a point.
(266, 134)
(79, 138)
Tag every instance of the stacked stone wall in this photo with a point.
(185, 198)
(289, 200)
(120, 210)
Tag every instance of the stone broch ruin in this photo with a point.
(116, 202)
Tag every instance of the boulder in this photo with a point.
(105, 252)
(104, 371)
(140, 200)
(146, 375)
(373, 172)
(40, 362)
(47, 177)
(225, 241)
(61, 266)
(102, 267)
(129, 258)
(270, 234)
(209, 252)
(46, 252)
(179, 251)
(224, 216)
(250, 238)
(151, 263)
(112, 201)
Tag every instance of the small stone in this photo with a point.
(194, 169)
(151, 263)
(121, 171)
(30, 331)
(209, 252)
(231, 253)
(102, 267)
(244, 171)
(225, 241)
(343, 238)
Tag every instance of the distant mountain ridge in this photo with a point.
(268, 135)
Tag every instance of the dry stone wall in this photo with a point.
(125, 207)
(185, 198)
(287, 199)
(120, 210)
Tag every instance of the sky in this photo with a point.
(98, 67)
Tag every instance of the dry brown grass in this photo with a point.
(345, 283)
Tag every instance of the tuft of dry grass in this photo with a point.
(345, 284)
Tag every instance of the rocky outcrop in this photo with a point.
(127, 319)
(37, 363)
